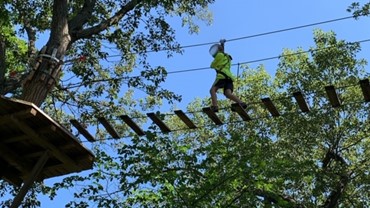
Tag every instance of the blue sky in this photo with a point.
(240, 18)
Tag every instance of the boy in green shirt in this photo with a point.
(224, 77)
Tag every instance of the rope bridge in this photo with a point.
(299, 97)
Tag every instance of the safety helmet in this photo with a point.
(214, 49)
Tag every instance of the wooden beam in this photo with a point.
(13, 139)
(299, 97)
(333, 96)
(11, 175)
(212, 115)
(241, 111)
(30, 180)
(185, 119)
(82, 130)
(110, 129)
(164, 128)
(52, 167)
(14, 159)
(270, 107)
(365, 87)
(43, 142)
(132, 125)
(30, 112)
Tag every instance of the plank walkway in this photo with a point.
(300, 99)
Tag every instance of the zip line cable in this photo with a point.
(201, 44)
(206, 68)
(240, 38)
(292, 28)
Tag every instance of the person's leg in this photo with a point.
(228, 93)
(213, 92)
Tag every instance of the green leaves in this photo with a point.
(292, 161)
(359, 10)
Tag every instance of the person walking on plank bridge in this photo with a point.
(224, 78)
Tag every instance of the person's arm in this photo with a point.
(222, 43)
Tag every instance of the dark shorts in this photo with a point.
(225, 84)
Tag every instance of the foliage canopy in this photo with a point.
(314, 159)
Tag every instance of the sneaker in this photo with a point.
(214, 109)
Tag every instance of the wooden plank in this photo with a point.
(241, 111)
(185, 119)
(110, 129)
(132, 125)
(82, 130)
(299, 97)
(365, 87)
(164, 128)
(270, 107)
(333, 96)
(212, 115)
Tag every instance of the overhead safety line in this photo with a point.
(206, 68)
(264, 59)
(241, 38)
(271, 32)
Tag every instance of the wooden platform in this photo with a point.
(28, 134)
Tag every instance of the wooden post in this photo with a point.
(301, 101)
(185, 119)
(30, 179)
(212, 115)
(164, 128)
(132, 125)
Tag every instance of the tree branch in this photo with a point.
(272, 197)
(82, 16)
(332, 200)
(86, 33)
(10, 85)
(336, 193)
(31, 34)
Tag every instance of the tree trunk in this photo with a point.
(2, 63)
(46, 70)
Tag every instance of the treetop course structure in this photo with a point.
(34, 147)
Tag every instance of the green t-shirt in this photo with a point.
(222, 62)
